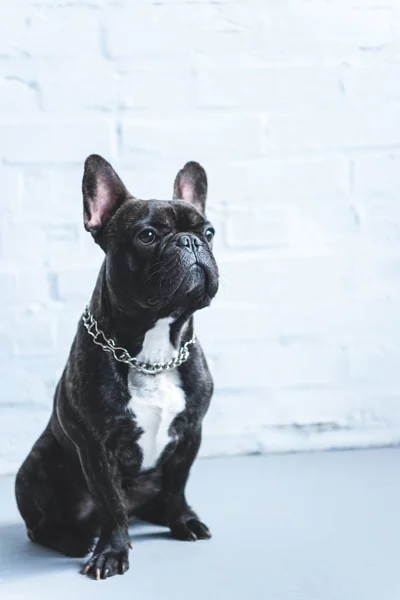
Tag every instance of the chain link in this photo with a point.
(122, 355)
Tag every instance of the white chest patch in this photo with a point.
(155, 399)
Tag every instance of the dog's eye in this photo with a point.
(210, 234)
(147, 236)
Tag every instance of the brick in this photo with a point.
(239, 413)
(51, 195)
(152, 88)
(75, 285)
(11, 183)
(252, 278)
(341, 318)
(277, 440)
(34, 334)
(325, 130)
(374, 365)
(297, 225)
(33, 288)
(306, 411)
(57, 142)
(23, 428)
(137, 35)
(260, 227)
(377, 175)
(17, 94)
(224, 323)
(280, 365)
(372, 86)
(62, 245)
(67, 323)
(23, 385)
(320, 409)
(322, 32)
(49, 32)
(202, 138)
(96, 80)
(8, 287)
(292, 108)
(376, 275)
(267, 179)
(380, 219)
(264, 89)
(14, 238)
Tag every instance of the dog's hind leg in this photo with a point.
(53, 500)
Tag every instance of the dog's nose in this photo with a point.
(183, 240)
(189, 241)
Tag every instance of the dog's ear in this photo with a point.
(191, 185)
(103, 193)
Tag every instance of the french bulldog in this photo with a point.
(128, 409)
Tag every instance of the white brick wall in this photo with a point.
(293, 108)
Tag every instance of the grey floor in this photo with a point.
(290, 527)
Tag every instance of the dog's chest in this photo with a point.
(155, 399)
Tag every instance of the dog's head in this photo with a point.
(158, 252)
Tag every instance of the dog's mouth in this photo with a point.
(196, 288)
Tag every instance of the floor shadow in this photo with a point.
(19, 557)
(152, 535)
(141, 531)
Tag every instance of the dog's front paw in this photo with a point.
(190, 530)
(106, 563)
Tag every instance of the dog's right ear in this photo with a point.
(103, 193)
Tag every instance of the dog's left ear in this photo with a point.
(103, 193)
(191, 185)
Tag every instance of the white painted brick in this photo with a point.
(380, 219)
(239, 413)
(23, 427)
(176, 32)
(270, 180)
(135, 38)
(14, 237)
(33, 33)
(92, 87)
(377, 175)
(377, 276)
(372, 86)
(281, 364)
(51, 195)
(253, 279)
(34, 334)
(67, 322)
(260, 227)
(322, 130)
(60, 141)
(294, 224)
(260, 88)
(16, 94)
(202, 138)
(340, 318)
(321, 32)
(8, 287)
(216, 325)
(11, 184)
(307, 410)
(33, 287)
(152, 88)
(375, 365)
(293, 108)
(75, 285)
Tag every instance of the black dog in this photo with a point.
(128, 409)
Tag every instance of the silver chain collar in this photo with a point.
(122, 355)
